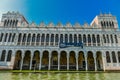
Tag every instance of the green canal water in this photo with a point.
(59, 76)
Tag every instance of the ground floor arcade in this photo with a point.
(58, 60)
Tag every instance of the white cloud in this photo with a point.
(12, 5)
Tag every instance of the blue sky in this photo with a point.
(61, 10)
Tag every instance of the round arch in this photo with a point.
(45, 60)
(81, 61)
(26, 60)
(63, 60)
(99, 61)
(90, 61)
(17, 61)
(36, 60)
(72, 61)
(54, 60)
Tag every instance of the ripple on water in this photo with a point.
(59, 76)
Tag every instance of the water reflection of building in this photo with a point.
(25, 46)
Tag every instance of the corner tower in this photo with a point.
(105, 21)
(12, 19)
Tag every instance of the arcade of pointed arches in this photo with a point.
(56, 60)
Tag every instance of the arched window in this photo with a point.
(38, 39)
(108, 38)
(70, 38)
(94, 40)
(89, 40)
(75, 38)
(61, 38)
(3, 55)
(8, 23)
(6, 35)
(52, 39)
(28, 39)
(108, 57)
(11, 23)
(9, 55)
(80, 38)
(1, 37)
(42, 39)
(111, 38)
(13, 37)
(47, 39)
(113, 24)
(104, 38)
(102, 24)
(9, 37)
(33, 39)
(16, 22)
(5, 23)
(98, 40)
(110, 24)
(24, 39)
(119, 56)
(116, 40)
(107, 24)
(66, 38)
(56, 39)
(114, 57)
(84, 39)
(19, 38)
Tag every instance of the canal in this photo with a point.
(59, 76)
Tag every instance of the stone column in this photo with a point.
(114, 42)
(31, 58)
(91, 40)
(86, 40)
(0, 54)
(58, 61)
(22, 61)
(49, 61)
(54, 40)
(40, 61)
(49, 39)
(103, 59)
(39, 43)
(96, 40)
(67, 61)
(35, 39)
(111, 59)
(95, 61)
(6, 55)
(76, 62)
(26, 39)
(116, 54)
(30, 39)
(86, 67)
(8, 37)
(45, 40)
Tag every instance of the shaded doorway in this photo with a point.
(72, 61)
(63, 60)
(36, 60)
(26, 60)
(99, 62)
(45, 60)
(54, 60)
(81, 61)
(17, 61)
(90, 61)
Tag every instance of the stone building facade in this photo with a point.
(25, 46)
